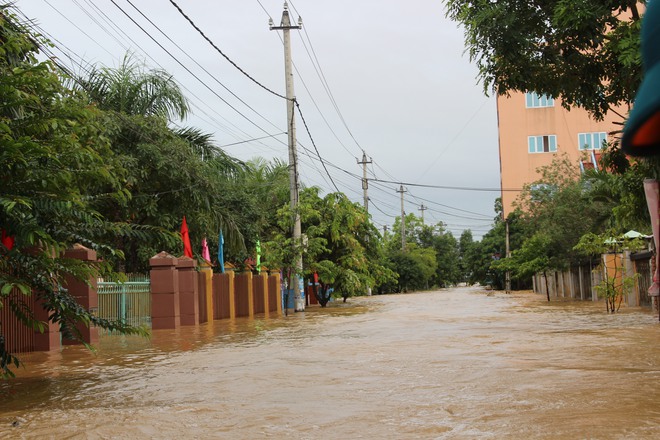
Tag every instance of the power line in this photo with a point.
(197, 63)
(187, 69)
(326, 85)
(218, 124)
(192, 23)
(314, 144)
(457, 188)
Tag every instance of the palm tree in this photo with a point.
(132, 90)
(169, 171)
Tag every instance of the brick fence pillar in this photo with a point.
(231, 281)
(207, 271)
(165, 311)
(188, 291)
(85, 294)
(50, 338)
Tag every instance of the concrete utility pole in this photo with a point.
(385, 227)
(365, 183)
(285, 26)
(422, 208)
(507, 275)
(403, 220)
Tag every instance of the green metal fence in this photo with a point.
(129, 301)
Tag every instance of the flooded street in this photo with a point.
(451, 364)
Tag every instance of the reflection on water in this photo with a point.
(447, 364)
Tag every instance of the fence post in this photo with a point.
(50, 339)
(84, 294)
(250, 293)
(231, 282)
(207, 271)
(629, 272)
(274, 282)
(165, 311)
(264, 277)
(188, 295)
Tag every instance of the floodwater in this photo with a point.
(450, 364)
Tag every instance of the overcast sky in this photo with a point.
(403, 90)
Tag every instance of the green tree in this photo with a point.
(446, 248)
(535, 256)
(415, 267)
(341, 244)
(129, 89)
(552, 214)
(585, 51)
(167, 172)
(53, 151)
(615, 284)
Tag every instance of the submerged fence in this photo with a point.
(579, 282)
(17, 337)
(173, 294)
(129, 302)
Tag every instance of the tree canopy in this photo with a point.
(54, 157)
(584, 51)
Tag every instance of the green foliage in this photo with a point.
(166, 173)
(564, 214)
(585, 51)
(615, 284)
(341, 244)
(128, 89)
(428, 247)
(415, 266)
(448, 270)
(54, 158)
(327, 272)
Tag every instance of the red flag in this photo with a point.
(187, 249)
(7, 240)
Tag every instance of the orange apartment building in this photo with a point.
(533, 129)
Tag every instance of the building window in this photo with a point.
(542, 144)
(534, 100)
(592, 141)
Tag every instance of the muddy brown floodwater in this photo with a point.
(451, 364)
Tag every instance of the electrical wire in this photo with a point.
(217, 49)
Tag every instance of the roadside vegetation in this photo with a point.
(104, 160)
(588, 53)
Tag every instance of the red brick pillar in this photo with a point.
(188, 291)
(165, 312)
(50, 338)
(84, 294)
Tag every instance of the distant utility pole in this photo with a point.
(507, 275)
(422, 208)
(285, 26)
(385, 230)
(365, 183)
(403, 220)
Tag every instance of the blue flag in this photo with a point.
(221, 252)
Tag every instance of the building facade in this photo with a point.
(534, 129)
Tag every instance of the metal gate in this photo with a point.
(129, 302)
(643, 268)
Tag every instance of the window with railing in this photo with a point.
(592, 141)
